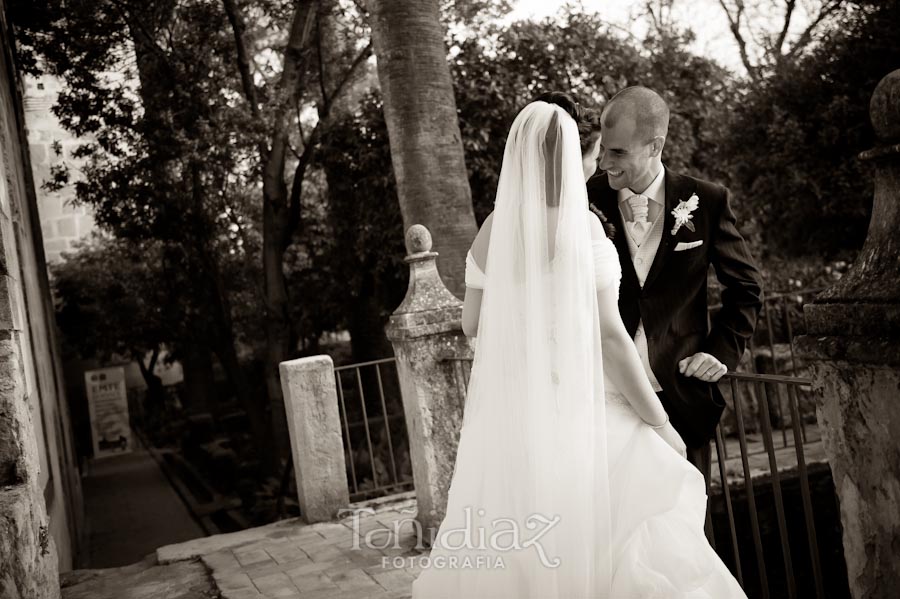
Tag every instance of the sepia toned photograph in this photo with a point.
(450, 299)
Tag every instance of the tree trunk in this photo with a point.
(280, 215)
(155, 393)
(199, 381)
(423, 128)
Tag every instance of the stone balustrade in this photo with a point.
(314, 426)
(853, 345)
(425, 330)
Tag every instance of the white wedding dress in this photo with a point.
(635, 530)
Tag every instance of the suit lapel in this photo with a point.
(674, 193)
(608, 203)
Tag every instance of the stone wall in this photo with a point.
(62, 223)
(39, 484)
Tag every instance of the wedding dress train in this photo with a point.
(657, 511)
(559, 490)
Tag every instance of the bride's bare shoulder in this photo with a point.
(482, 240)
(597, 230)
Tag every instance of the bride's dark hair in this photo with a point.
(587, 119)
(588, 122)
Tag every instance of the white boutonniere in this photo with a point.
(682, 213)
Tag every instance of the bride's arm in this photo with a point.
(471, 311)
(621, 361)
(472, 302)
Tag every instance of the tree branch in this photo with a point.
(310, 145)
(348, 76)
(243, 62)
(788, 15)
(321, 59)
(289, 87)
(150, 41)
(734, 24)
(806, 37)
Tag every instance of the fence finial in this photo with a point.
(418, 240)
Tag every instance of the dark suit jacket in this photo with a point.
(673, 301)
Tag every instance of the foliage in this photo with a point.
(364, 245)
(114, 298)
(502, 69)
(793, 140)
(126, 298)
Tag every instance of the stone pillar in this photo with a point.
(853, 343)
(425, 330)
(317, 447)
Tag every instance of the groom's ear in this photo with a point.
(656, 146)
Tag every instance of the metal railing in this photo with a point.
(760, 477)
(376, 444)
(780, 465)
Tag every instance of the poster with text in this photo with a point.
(108, 408)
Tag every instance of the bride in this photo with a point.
(569, 482)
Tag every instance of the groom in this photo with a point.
(669, 229)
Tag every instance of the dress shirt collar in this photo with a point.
(655, 191)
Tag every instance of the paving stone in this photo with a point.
(332, 530)
(286, 553)
(363, 558)
(414, 569)
(392, 580)
(221, 560)
(334, 593)
(232, 540)
(324, 553)
(265, 569)
(305, 535)
(313, 581)
(233, 581)
(356, 580)
(242, 594)
(252, 557)
(310, 569)
(278, 584)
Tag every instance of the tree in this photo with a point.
(365, 240)
(162, 147)
(422, 123)
(113, 299)
(190, 105)
(793, 143)
(313, 63)
(798, 24)
(503, 68)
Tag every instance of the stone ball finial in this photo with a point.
(884, 109)
(418, 239)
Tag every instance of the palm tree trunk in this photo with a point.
(423, 128)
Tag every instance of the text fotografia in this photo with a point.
(444, 561)
(502, 535)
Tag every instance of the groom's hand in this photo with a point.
(703, 366)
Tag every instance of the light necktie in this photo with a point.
(639, 224)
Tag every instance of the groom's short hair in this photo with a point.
(648, 109)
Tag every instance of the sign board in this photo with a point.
(108, 408)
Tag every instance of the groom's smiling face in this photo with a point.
(626, 154)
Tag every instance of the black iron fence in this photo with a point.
(773, 514)
(764, 511)
(376, 445)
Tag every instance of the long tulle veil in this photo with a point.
(532, 451)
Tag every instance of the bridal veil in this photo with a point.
(530, 491)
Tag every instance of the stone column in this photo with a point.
(425, 330)
(853, 343)
(317, 447)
